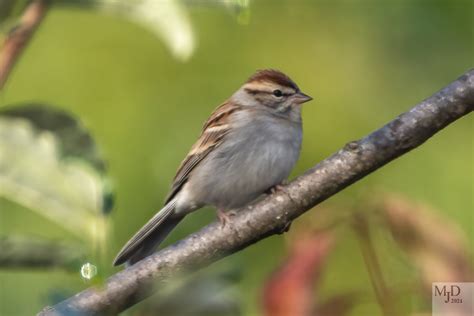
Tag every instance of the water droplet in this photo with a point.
(88, 271)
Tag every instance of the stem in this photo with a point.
(382, 293)
(16, 40)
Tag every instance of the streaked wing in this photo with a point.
(213, 132)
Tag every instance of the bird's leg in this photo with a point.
(224, 217)
(278, 187)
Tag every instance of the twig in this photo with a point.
(268, 216)
(19, 36)
(382, 293)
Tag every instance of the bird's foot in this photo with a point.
(281, 188)
(278, 187)
(225, 217)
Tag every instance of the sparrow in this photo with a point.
(249, 145)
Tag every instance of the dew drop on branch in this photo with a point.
(88, 271)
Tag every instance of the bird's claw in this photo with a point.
(281, 188)
(225, 217)
(278, 188)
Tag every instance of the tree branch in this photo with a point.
(19, 36)
(274, 213)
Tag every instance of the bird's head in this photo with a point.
(271, 90)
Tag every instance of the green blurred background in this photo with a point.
(364, 62)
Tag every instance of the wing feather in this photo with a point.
(212, 135)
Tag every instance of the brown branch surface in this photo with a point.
(19, 36)
(272, 214)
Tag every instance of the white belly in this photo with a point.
(248, 162)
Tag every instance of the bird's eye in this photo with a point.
(277, 93)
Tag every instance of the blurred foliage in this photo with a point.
(10, 9)
(416, 228)
(50, 164)
(208, 293)
(167, 19)
(293, 288)
(28, 252)
(72, 139)
(363, 61)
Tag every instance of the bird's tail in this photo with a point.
(145, 241)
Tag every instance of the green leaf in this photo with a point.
(50, 164)
(167, 19)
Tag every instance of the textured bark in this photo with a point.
(19, 36)
(274, 213)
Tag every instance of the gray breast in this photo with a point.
(254, 157)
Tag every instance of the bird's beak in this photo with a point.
(300, 98)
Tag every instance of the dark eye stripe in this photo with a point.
(251, 91)
(254, 92)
